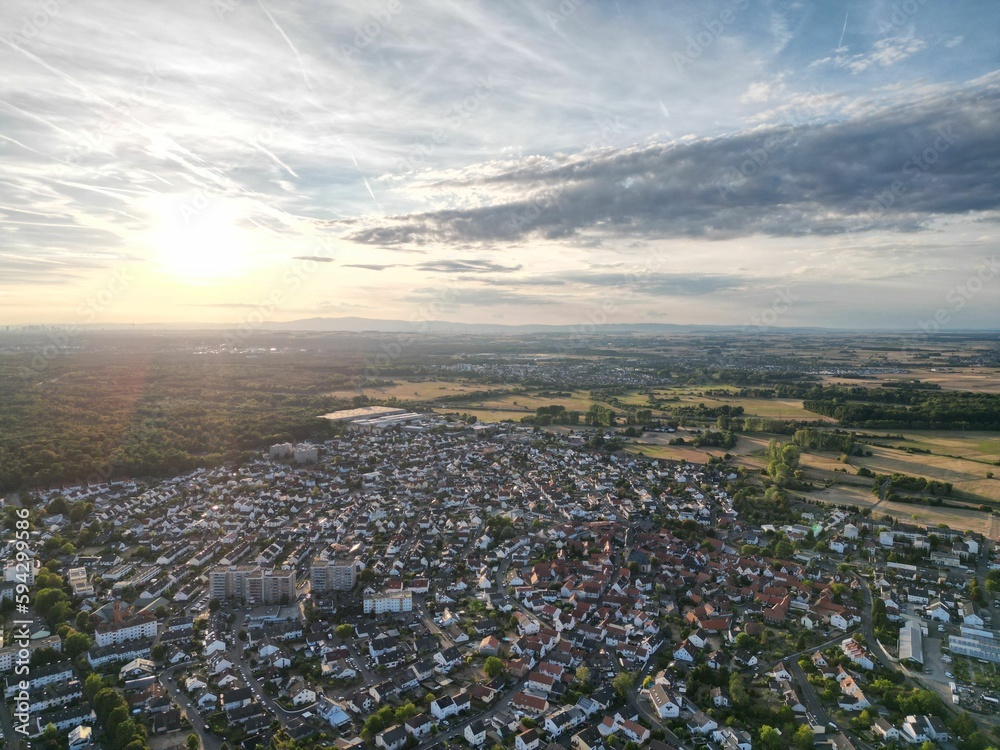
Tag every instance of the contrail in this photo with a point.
(276, 160)
(841, 42)
(29, 148)
(288, 42)
(37, 118)
(364, 179)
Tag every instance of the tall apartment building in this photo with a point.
(330, 575)
(251, 584)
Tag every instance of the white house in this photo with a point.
(664, 705)
(303, 695)
(938, 612)
(475, 733)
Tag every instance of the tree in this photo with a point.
(493, 667)
(83, 622)
(582, 675)
(105, 700)
(344, 631)
(770, 738)
(213, 605)
(803, 738)
(404, 712)
(193, 743)
(622, 683)
(76, 643)
(51, 737)
(92, 686)
(158, 652)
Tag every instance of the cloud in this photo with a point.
(465, 266)
(942, 154)
(370, 266)
(317, 258)
(885, 52)
(636, 279)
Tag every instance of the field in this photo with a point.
(961, 458)
(411, 390)
(980, 379)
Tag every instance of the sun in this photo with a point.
(201, 241)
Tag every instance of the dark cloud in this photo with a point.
(465, 266)
(888, 169)
(317, 258)
(370, 266)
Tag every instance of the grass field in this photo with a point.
(979, 379)
(415, 390)
(965, 519)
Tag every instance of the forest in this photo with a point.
(152, 413)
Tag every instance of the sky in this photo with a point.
(733, 162)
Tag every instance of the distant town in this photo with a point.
(418, 582)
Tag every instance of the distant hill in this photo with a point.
(443, 326)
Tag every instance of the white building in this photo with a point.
(387, 601)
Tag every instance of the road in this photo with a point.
(208, 740)
(235, 653)
(807, 692)
(868, 629)
(498, 705)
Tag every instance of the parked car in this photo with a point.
(949, 675)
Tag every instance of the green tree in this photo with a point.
(76, 643)
(493, 667)
(193, 743)
(344, 631)
(770, 738)
(582, 675)
(803, 738)
(404, 712)
(622, 683)
(92, 685)
(105, 701)
(83, 622)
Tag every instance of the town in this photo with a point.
(419, 582)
